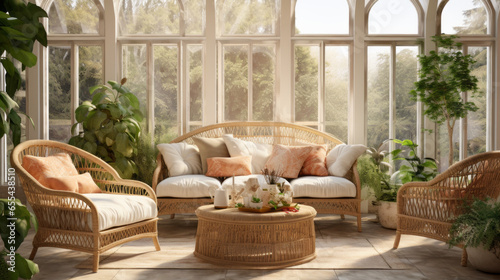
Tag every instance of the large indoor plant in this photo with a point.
(445, 75)
(411, 169)
(15, 223)
(20, 28)
(478, 230)
(111, 126)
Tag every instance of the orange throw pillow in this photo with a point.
(82, 183)
(56, 165)
(315, 163)
(288, 159)
(229, 166)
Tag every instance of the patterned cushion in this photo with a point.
(288, 159)
(56, 165)
(315, 164)
(226, 167)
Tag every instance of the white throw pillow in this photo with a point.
(260, 152)
(181, 158)
(341, 158)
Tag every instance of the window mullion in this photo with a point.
(150, 90)
(74, 80)
(392, 97)
(181, 89)
(321, 87)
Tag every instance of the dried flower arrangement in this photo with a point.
(272, 176)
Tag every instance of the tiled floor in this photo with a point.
(417, 257)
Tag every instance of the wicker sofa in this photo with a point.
(270, 133)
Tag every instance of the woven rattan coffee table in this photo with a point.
(255, 240)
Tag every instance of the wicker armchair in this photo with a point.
(71, 220)
(428, 208)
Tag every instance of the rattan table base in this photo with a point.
(255, 240)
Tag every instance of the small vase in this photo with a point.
(256, 205)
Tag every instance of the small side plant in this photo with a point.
(479, 226)
(111, 126)
(15, 223)
(419, 169)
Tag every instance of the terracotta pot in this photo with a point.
(388, 214)
(483, 259)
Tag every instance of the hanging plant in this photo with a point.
(111, 126)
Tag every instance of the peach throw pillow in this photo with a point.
(226, 167)
(82, 183)
(56, 165)
(288, 159)
(315, 163)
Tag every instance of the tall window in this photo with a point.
(391, 71)
(322, 77)
(74, 65)
(467, 19)
(247, 39)
(163, 66)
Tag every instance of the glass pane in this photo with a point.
(378, 91)
(393, 17)
(90, 70)
(306, 83)
(406, 109)
(149, 17)
(251, 17)
(322, 17)
(166, 59)
(195, 60)
(194, 16)
(73, 17)
(336, 90)
(476, 121)
(235, 82)
(134, 68)
(59, 93)
(464, 17)
(263, 82)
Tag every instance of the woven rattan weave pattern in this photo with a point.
(270, 133)
(428, 208)
(63, 216)
(263, 241)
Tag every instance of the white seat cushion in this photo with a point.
(118, 210)
(323, 187)
(186, 186)
(239, 181)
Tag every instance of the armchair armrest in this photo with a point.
(123, 186)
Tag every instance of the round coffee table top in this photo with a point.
(235, 216)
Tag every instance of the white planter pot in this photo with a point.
(483, 260)
(256, 205)
(388, 214)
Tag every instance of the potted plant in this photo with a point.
(444, 75)
(412, 169)
(15, 223)
(111, 127)
(478, 230)
(16, 19)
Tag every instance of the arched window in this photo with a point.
(393, 17)
(149, 17)
(322, 17)
(252, 17)
(464, 17)
(74, 17)
(74, 65)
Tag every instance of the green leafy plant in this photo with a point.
(443, 76)
(15, 223)
(479, 226)
(20, 28)
(418, 169)
(255, 199)
(111, 126)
